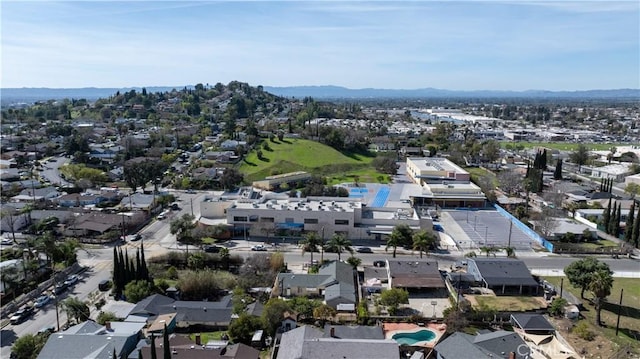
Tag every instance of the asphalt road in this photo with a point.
(46, 316)
(51, 172)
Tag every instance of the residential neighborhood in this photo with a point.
(227, 222)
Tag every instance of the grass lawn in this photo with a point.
(630, 314)
(564, 146)
(512, 304)
(365, 175)
(206, 336)
(293, 154)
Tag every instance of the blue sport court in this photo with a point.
(358, 192)
(381, 197)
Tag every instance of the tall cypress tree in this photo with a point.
(610, 185)
(145, 270)
(606, 216)
(612, 219)
(616, 224)
(628, 227)
(116, 266)
(635, 235)
(153, 347)
(138, 271)
(127, 269)
(166, 347)
(557, 174)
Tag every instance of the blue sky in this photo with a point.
(505, 45)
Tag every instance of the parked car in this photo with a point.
(104, 285)
(259, 248)
(22, 314)
(47, 330)
(190, 190)
(211, 249)
(41, 301)
(6, 240)
(59, 288)
(136, 237)
(364, 250)
(71, 280)
(379, 264)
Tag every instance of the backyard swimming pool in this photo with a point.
(411, 338)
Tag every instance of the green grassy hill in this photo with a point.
(303, 155)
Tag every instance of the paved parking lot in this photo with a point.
(488, 228)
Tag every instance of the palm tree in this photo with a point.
(489, 250)
(511, 252)
(76, 309)
(310, 243)
(423, 241)
(393, 241)
(600, 286)
(339, 243)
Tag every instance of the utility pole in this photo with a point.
(619, 310)
(322, 247)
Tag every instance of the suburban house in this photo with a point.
(184, 348)
(79, 200)
(143, 202)
(92, 340)
(311, 343)
(36, 194)
(532, 323)
(499, 344)
(503, 275)
(416, 276)
(353, 332)
(335, 282)
(560, 227)
(188, 314)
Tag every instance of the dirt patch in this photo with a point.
(503, 303)
(599, 347)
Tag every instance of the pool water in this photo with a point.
(423, 335)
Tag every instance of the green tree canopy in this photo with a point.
(580, 156)
(392, 298)
(272, 314)
(241, 329)
(580, 272)
(28, 346)
(137, 290)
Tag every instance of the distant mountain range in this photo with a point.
(30, 95)
(343, 92)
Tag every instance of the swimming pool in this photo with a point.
(414, 337)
